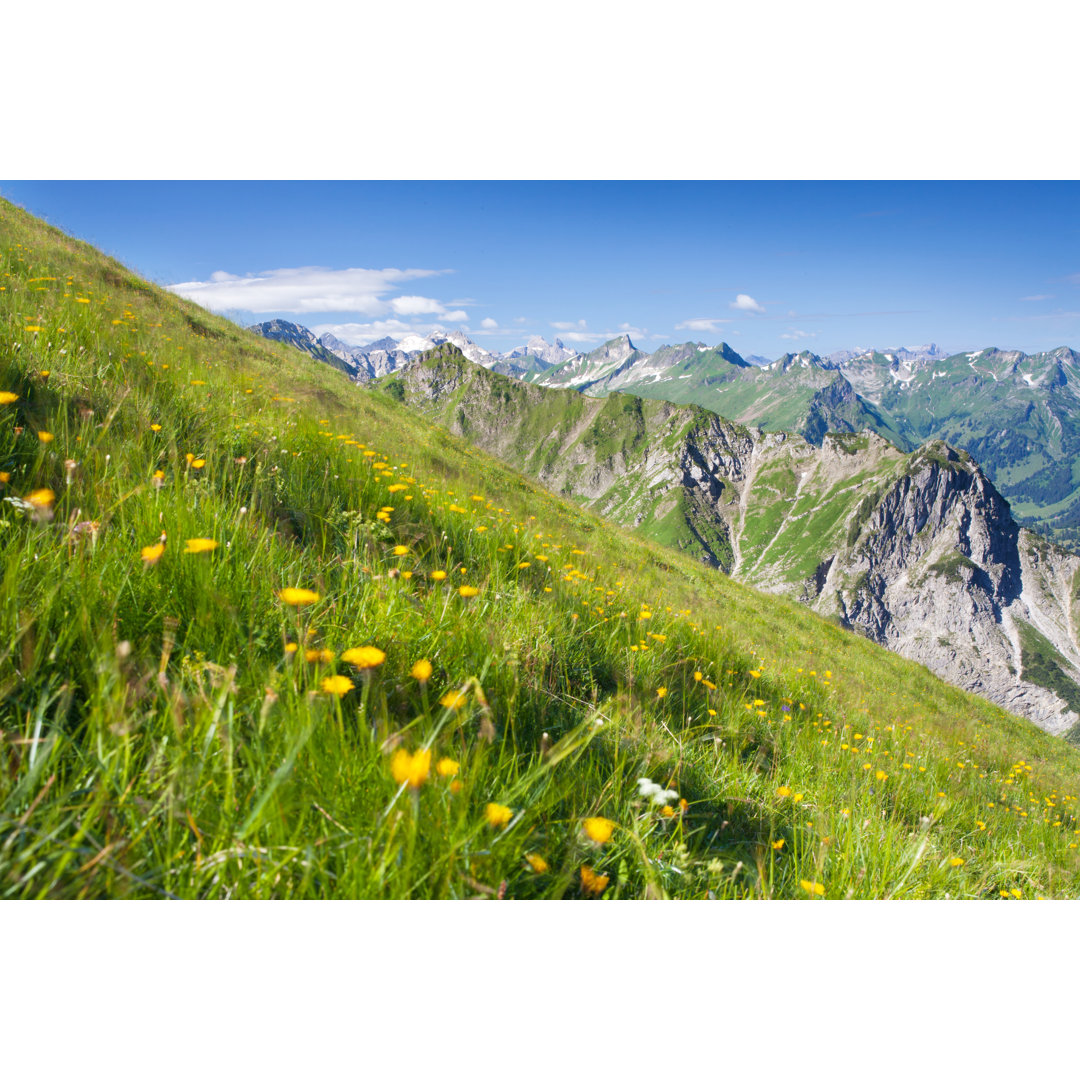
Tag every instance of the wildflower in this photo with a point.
(537, 862)
(41, 499)
(401, 549)
(367, 656)
(421, 670)
(151, 554)
(654, 792)
(198, 545)
(956, 861)
(778, 844)
(814, 888)
(291, 647)
(661, 691)
(497, 815)
(881, 775)
(411, 769)
(45, 436)
(317, 656)
(698, 676)
(453, 699)
(447, 767)
(297, 597)
(783, 792)
(468, 590)
(592, 882)
(438, 575)
(155, 427)
(7, 397)
(4, 477)
(198, 463)
(338, 685)
(598, 829)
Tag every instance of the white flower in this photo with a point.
(659, 796)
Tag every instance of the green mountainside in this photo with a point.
(860, 531)
(266, 633)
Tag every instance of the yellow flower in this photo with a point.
(291, 647)
(198, 463)
(438, 575)
(956, 861)
(155, 427)
(453, 699)
(881, 775)
(151, 554)
(367, 656)
(41, 499)
(337, 685)
(661, 691)
(537, 862)
(44, 436)
(297, 597)
(7, 397)
(523, 565)
(401, 549)
(783, 792)
(592, 882)
(198, 545)
(698, 676)
(598, 829)
(468, 590)
(447, 767)
(319, 656)
(797, 797)
(814, 888)
(411, 769)
(421, 670)
(4, 477)
(497, 815)
(778, 844)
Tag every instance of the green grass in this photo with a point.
(164, 732)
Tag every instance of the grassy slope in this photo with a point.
(157, 736)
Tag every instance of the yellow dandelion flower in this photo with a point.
(778, 844)
(297, 597)
(881, 775)
(338, 685)
(151, 554)
(7, 397)
(367, 656)
(45, 436)
(4, 477)
(814, 888)
(319, 656)
(198, 463)
(537, 862)
(291, 647)
(401, 549)
(421, 670)
(411, 769)
(41, 499)
(197, 545)
(155, 427)
(453, 699)
(783, 792)
(956, 861)
(447, 767)
(698, 676)
(498, 815)
(438, 575)
(592, 882)
(661, 691)
(468, 590)
(598, 829)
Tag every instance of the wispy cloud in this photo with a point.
(1040, 296)
(579, 325)
(304, 289)
(742, 302)
(797, 335)
(704, 326)
(580, 334)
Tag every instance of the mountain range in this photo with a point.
(1017, 414)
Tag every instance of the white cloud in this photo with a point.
(705, 326)
(579, 325)
(489, 324)
(742, 302)
(797, 335)
(454, 316)
(1041, 296)
(306, 289)
(416, 305)
(520, 319)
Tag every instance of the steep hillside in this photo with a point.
(264, 633)
(918, 552)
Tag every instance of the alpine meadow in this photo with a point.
(268, 633)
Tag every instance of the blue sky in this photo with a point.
(768, 267)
